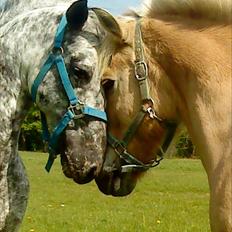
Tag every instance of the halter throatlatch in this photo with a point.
(120, 146)
(76, 109)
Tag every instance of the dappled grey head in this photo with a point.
(27, 33)
(83, 141)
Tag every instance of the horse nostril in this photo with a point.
(91, 171)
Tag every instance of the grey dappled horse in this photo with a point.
(48, 52)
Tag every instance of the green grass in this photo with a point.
(170, 198)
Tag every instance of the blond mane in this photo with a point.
(215, 10)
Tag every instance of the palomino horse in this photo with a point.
(172, 64)
(47, 53)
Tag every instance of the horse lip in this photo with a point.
(112, 183)
(79, 180)
(108, 179)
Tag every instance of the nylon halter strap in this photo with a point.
(120, 146)
(76, 109)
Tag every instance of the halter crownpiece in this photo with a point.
(76, 109)
(120, 146)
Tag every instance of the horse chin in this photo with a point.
(69, 171)
(82, 157)
(116, 184)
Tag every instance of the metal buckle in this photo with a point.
(141, 70)
(77, 110)
(119, 149)
(57, 51)
(133, 168)
(152, 114)
(157, 162)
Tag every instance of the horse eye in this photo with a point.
(107, 85)
(80, 74)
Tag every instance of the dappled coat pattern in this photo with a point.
(27, 30)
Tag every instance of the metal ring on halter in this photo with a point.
(141, 70)
(148, 101)
(80, 103)
(57, 50)
(77, 110)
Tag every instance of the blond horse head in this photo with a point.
(187, 48)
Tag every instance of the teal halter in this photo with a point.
(76, 109)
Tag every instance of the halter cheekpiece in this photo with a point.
(76, 109)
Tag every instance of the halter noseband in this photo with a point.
(120, 146)
(76, 109)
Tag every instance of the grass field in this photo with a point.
(171, 198)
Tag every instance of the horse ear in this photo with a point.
(77, 14)
(108, 22)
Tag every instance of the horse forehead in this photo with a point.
(92, 33)
(87, 42)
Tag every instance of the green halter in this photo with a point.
(120, 146)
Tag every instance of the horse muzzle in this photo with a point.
(83, 153)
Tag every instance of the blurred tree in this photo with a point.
(181, 145)
(184, 146)
(30, 137)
